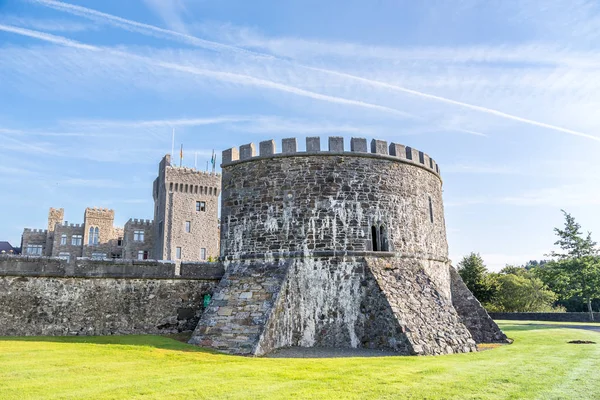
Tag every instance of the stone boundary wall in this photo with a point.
(43, 296)
(358, 148)
(27, 266)
(541, 316)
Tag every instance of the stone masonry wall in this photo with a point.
(34, 237)
(175, 204)
(131, 246)
(55, 216)
(331, 301)
(40, 296)
(427, 317)
(68, 230)
(472, 314)
(314, 201)
(103, 219)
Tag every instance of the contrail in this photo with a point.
(145, 28)
(218, 75)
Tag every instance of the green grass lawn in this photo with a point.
(539, 365)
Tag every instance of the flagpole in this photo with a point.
(181, 155)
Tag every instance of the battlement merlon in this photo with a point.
(358, 147)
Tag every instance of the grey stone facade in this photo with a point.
(40, 296)
(176, 192)
(139, 239)
(186, 213)
(335, 248)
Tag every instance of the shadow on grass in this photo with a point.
(541, 325)
(526, 327)
(176, 342)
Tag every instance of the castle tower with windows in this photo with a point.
(185, 213)
(185, 225)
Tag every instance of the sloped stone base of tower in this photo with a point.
(352, 302)
(240, 307)
(472, 314)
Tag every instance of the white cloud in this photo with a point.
(171, 12)
(52, 25)
(349, 77)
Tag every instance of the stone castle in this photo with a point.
(337, 248)
(185, 225)
(320, 248)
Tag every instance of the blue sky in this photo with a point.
(503, 94)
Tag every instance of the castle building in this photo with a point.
(186, 213)
(337, 248)
(185, 208)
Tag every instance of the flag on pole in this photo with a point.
(213, 160)
(181, 155)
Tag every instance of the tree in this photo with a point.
(520, 291)
(576, 270)
(474, 273)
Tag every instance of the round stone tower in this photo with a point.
(385, 200)
(337, 249)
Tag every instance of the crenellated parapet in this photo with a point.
(358, 147)
(97, 212)
(29, 230)
(139, 222)
(67, 224)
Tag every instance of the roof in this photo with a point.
(5, 246)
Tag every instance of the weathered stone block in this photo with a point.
(397, 150)
(267, 148)
(358, 145)
(247, 151)
(379, 146)
(289, 145)
(336, 144)
(313, 144)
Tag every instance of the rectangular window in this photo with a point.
(34, 250)
(178, 253)
(188, 226)
(63, 239)
(138, 236)
(76, 240)
(64, 256)
(142, 255)
(98, 256)
(120, 242)
(200, 206)
(203, 254)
